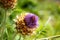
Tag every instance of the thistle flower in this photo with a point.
(26, 23)
(7, 4)
(31, 20)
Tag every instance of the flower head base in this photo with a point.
(26, 23)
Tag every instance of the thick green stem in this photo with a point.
(20, 37)
(3, 24)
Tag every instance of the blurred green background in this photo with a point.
(49, 19)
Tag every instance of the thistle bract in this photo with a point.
(26, 23)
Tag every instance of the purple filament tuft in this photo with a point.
(31, 20)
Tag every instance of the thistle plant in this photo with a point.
(37, 22)
(5, 5)
(26, 23)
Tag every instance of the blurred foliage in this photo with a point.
(44, 9)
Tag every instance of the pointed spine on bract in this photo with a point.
(8, 4)
(24, 28)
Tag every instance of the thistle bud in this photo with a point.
(7, 4)
(26, 23)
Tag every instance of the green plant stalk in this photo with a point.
(49, 38)
(3, 24)
(20, 37)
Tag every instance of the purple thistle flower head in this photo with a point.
(31, 20)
